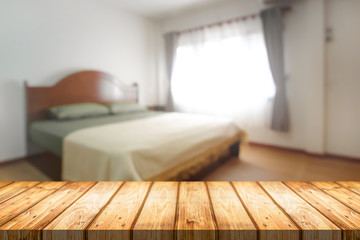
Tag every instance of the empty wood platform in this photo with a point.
(179, 210)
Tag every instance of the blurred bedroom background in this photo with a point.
(285, 72)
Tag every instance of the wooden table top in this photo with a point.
(179, 210)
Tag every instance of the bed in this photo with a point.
(132, 146)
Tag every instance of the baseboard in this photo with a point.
(10, 161)
(348, 158)
(302, 151)
(295, 150)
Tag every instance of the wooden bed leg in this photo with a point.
(235, 149)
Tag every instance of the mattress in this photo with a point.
(50, 134)
(146, 148)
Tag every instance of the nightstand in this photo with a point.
(157, 108)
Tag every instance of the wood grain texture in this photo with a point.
(13, 189)
(353, 186)
(232, 219)
(28, 224)
(185, 210)
(314, 224)
(2, 184)
(269, 218)
(344, 217)
(195, 220)
(73, 221)
(342, 194)
(157, 219)
(119, 215)
(21, 202)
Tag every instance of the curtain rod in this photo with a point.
(242, 18)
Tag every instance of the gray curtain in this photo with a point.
(273, 32)
(170, 50)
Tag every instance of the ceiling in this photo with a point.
(161, 8)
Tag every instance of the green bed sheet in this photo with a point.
(50, 134)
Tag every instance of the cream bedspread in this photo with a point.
(140, 149)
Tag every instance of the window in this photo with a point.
(222, 70)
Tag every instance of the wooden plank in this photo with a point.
(28, 224)
(21, 202)
(314, 225)
(14, 189)
(71, 224)
(195, 220)
(2, 184)
(353, 186)
(341, 215)
(187, 210)
(232, 219)
(157, 218)
(341, 193)
(118, 216)
(269, 218)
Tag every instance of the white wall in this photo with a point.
(343, 78)
(42, 41)
(312, 38)
(304, 56)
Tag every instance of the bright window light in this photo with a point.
(222, 76)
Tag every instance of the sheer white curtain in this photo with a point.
(224, 70)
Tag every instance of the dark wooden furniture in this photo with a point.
(86, 86)
(180, 210)
(157, 108)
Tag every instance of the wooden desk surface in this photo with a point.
(179, 210)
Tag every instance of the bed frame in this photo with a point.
(85, 86)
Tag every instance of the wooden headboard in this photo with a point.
(86, 86)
